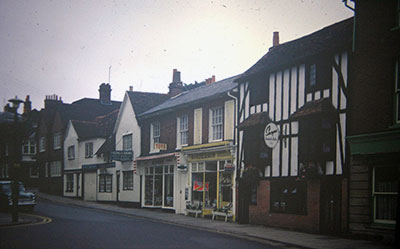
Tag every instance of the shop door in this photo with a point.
(90, 187)
(330, 216)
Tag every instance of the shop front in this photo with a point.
(160, 181)
(211, 178)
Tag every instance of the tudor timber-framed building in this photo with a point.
(291, 137)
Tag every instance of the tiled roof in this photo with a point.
(328, 39)
(143, 101)
(196, 94)
(101, 127)
(261, 118)
(315, 107)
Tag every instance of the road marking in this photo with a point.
(44, 220)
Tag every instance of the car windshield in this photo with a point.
(6, 188)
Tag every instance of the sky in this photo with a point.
(67, 47)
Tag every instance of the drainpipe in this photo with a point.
(354, 23)
(237, 154)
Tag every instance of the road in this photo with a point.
(77, 227)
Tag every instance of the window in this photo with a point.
(155, 135)
(313, 75)
(4, 171)
(70, 183)
(71, 152)
(127, 142)
(105, 183)
(46, 169)
(385, 194)
(216, 118)
(55, 169)
(34, 172)
(29, 148)
(182, 130)
(288, 196)
(127, 180)
(57, 141)
(88, 149)
(42, 144)
(397, 91)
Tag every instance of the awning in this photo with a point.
(315, 107)
(256, 119)
(155, 156)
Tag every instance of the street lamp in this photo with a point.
(14, 186)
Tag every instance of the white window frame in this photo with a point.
(127, 142)
(30, 147)
(42, 144)
(55, 168)
(69, 182)
(105, 183)
(127, 180)
(155, 132)
(182, 131)
(88, 149)
(71, 152)
(57, 141)
(4, 171)
(374, 195)
(216, 127)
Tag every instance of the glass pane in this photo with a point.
(386, 206)
(171, 169)
(386, 179)
(211, 190)
(200, 167)
(159, 170)
(148, 190)
(169, 191)
(158, 189)
(211, 166)
(197, 189)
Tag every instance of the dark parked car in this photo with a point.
(26, 200)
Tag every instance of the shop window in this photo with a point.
(70, 183)
(159, 182)
(397, 92)
(127, 181)
(169, 186)
(55, 169)
(105, 183)
(71, 152)
(88, 149)
(216, 123)
(42, 144)
(385, 194)
(127, 142)
(288, 196)
(29, 148)
(57, 141)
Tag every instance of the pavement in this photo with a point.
(275, 236)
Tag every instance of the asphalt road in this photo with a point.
(76, 227)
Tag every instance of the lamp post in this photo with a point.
(14, 185)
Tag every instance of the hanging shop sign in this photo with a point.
(160, 146)
(271, 135)
(122, 155)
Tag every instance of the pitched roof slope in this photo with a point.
(143, 101)
(196, 94)
(328, 39)
(101, 127)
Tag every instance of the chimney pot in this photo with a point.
(105, 94)
(275, 39)
(130, 88)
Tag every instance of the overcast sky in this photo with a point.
(66, 47)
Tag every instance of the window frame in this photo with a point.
(104, 185)
(299, 202)
(30, 145)
(88, 149)
(155, 134)
(127, 180)
(126, 144)
(71, 152)
(55, 169)
(216, 135)
(183, 131)
(69, 182)
(42, 144)
(57, 141)
(375, 194)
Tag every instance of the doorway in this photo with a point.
(330, 204)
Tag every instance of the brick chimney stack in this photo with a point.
(105, 94)
(275, 39)
(51, 101)
(210, 80)
(176, 86)
(27, 105)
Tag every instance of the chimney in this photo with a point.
(213, 79)
(105, 94)
(210, 80)
(275, 39)
(131, 88)
(51, 101)
(176, 87)
(27, 105)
